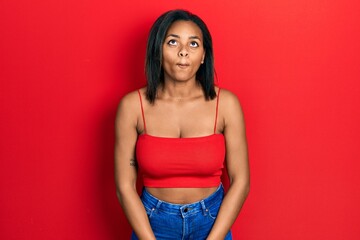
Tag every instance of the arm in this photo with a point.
(236, 163)
(125, 166)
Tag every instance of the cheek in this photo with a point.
(168, 56)
(198, 55)
(199, 59)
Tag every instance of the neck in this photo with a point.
(180, 90)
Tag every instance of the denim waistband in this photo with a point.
(184, 209)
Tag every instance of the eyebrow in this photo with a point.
(177, 36)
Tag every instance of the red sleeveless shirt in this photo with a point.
(180, 162)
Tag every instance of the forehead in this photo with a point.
(183, 27)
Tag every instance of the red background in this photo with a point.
(66, 64)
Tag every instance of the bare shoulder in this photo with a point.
(228, 101)
(131, 100)
(231, 112)
(129, 106)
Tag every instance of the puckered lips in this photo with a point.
(183, 65)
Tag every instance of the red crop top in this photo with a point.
(181, 162)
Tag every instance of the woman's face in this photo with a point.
(183, 51)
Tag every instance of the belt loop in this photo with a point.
(158, 204)
(204, 209)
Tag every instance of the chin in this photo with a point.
(182, 79)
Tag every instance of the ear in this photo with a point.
(203, 58)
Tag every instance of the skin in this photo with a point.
(180, 110)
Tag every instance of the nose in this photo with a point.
(183, 52)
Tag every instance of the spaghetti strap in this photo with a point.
(142, 110)
(217, 109)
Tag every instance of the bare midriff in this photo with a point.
(181, 195)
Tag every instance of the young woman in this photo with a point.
(178, 133)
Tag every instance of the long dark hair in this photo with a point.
(153, 64)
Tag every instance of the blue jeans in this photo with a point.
(182, 221)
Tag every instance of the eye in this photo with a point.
(172, 42)
(194, 44)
